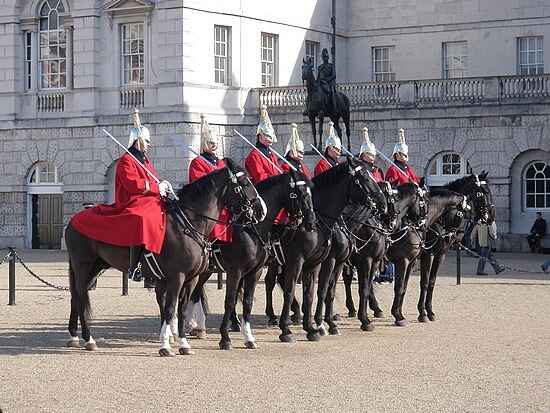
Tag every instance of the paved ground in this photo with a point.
(488, 352)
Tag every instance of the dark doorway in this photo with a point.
(47, 221)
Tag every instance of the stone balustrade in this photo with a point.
(418, 92)
(132, 97)
(51, 102)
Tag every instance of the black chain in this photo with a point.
(43, 281)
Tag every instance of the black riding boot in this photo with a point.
(134, 271)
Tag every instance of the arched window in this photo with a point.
(536, 186)
(43, 173)
(447, 167)
(53, 46)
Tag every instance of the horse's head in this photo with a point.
(300, 204)
(413, 203)
(479, 196)
(307, 70)
(378, 200)
(390, 218)
(241, 198)
(364, 189)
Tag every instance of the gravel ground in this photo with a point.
(487, 352)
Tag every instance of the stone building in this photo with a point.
(465, 78)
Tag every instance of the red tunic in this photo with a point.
(135, 218)
(377, 174)
(198, 168)
(303, 168)
(321, 167)
(258, 167)
(396, 178)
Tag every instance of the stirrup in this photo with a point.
(135, 274)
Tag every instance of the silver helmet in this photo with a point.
(138, 132)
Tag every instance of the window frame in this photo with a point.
(123, 82)
(388, 75)
(546, 185)
(226, 45)
(61, 14)
(440, 178)
(315, 56)
(274, 62)
(446, 67)
(538, 49)
(37, 171)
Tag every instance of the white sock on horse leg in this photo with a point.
(200, 317)
(165, 336)
(190, 317)
(174, 327)
(247, 333)
(90, 341)
(184, 343)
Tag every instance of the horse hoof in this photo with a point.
(378, 314)
(352, 314)
(198, 333)
(422, 319)
(431, 317)
(91, 346)
(287, 338)
(225, 345)
(73, 343)
(322, 330)
(184, 351)
(336, 317)
(314, 336)
(251, 345)
(166, 352)
(333, 331)
(296, 319)
(367, 327)
(236, 328)
(272, 321)
(401, 323)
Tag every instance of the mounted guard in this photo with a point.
(367, 154)
(208, 162)
(400, 158)
(137, 218)
(295, 152)
(333, 149)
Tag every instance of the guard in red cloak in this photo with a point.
(295, 153)
(401, 172)
(333, 149)
(367, 154)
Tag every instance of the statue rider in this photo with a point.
(326, 75)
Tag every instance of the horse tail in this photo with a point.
(199, 293)
(79, 289)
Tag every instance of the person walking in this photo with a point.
(485, 234)
(538, 230)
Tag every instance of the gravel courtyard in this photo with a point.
(488, 351)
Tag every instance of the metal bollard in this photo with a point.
(11, 285)
(220, 280)
(124, 283)
(458, 269)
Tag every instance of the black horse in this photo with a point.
(182, 258)
(317, 103)
(305, 251)
(444, 232)
(244, 258)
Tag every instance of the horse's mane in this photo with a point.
(269, 183)
(442, 192)
(407, 188)
(457, 184)
(330, 176)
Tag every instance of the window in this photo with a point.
(312, 52)
(44, 173)
(530, 56)
(53, 46)
(132, 47)
(222, 50)
(455, 60)
(269, 59)
(447, 167)
(537, 185)
(28, 60)
(382, 68)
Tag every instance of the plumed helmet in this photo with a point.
(402, 145)
(367, 146)
(333, 139)
(138, 132)
(265, 125)
(206, 135)
(295, 144)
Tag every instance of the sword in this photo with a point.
(393, 163)
(260, 152)
(355, 157)
(319, 153)
(139, 163)
(200, 156)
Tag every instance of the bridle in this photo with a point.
(297, 204)
(479, 198)
(242, 211)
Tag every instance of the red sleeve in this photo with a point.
(306, 170)
(321, 167)
(129, 177)
(197, 169)
(378, 177)
(255, 168)
(412, 175)
(285, 167)
(391, 176)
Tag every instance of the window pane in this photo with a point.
(530, 202)
(539, 201)
(52, 21)
(530, 186)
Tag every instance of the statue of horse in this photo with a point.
(319, 105)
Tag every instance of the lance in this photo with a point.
(139, 163)
(260, 152)
(200, 156)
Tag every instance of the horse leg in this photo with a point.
(348, 278)
(346, 123)
(184, 346)
(308, 286)
(404, 290)
(289, 285)
(373, 302)
(270, 281)
(425, 268)
(400, 268)
(249, 287)
(329, 300)
(173, 289)
(231, 290)
(321, 119)
(322, 288)
(438, 260)
(364, 278)
(314, 130)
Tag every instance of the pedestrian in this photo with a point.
(486, 235)
(538, 230)
(546, 266)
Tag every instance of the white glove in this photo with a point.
(165, 188)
